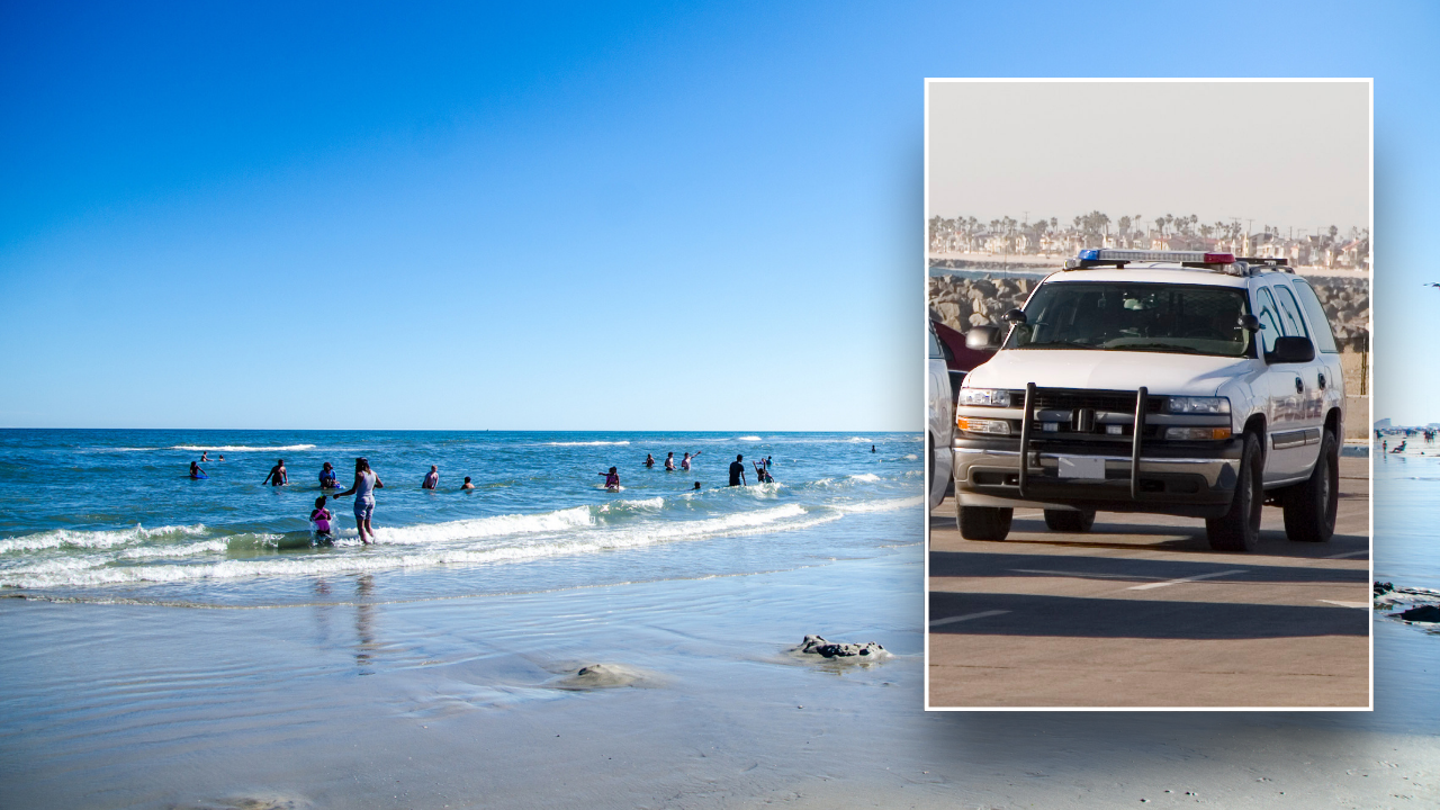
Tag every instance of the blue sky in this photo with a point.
(564, 216)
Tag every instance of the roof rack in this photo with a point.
(1226, 263)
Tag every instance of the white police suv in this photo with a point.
(1178, 383)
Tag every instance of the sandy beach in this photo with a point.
(473, 701)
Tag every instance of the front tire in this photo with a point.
(1069, 520)
(984, 522)
(1239, 529)
(1310, 507)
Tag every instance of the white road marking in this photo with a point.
(1185, 579)
(1077, 574)
(967, 617)
(1348, 554)
(1347, 604)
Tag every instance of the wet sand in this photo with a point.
(698, 702)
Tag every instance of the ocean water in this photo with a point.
(1407, 514)
(112, 515)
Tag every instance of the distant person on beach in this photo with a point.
(737, 472)
(328, 478)
(321, 517)
(278, 476)
(366, 482)
(685, 462)
(432, 479)
(612, 479)
(196, 472)
(649, 461)
(669, 462)
(467, 484)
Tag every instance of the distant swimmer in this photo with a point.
(321, 517)
(196, 472)
(767, 462)
(872, 448)
(205, 455)
(669, 462)
(222, 456)
(328, 478)
(649, 461)
(685, 462)
(737, 472)
(697, 486)
(366, 482)
(612, 479)
(432, 479)
(762, 475)
(467, 484)
(277, 477)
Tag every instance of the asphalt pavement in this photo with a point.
(1140, 612)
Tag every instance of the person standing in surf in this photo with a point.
(685, 462)
(432, 478)
(737, 472)
(649, 461)
(328, 478)
(669, 462)
(612, 479)
(196, 472)
(278, 476)
(366, 482)
(321, 517)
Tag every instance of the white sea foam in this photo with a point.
(912, 457)
(586, 444)
(572, 531)
(240, 448)
(75, 538)
(749, 439)
(868, 477)
(879, 506)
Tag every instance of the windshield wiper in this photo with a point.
(1062, 344)
(1162, 347)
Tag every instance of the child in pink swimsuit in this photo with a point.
(321, 517)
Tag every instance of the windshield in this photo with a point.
(1114, 316)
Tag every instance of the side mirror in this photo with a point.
(1016, 317)
(983, 338)
(1291, 350)
(1250, 323)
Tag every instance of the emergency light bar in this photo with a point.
(1196, 256)
(1227, 263)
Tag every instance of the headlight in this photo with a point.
(1199, 405)
(997, 397)
(1196, 434)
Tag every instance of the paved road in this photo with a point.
(1140, 612)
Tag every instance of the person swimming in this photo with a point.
(649, 461)
(467, 484)
(432, 478)
(322, 517)
(196, 472)
(328, 478)
(612, 479)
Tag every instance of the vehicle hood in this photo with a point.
(1160, 372)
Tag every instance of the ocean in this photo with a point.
(113, 516)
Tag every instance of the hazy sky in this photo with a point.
(1278, 153)
(633, 215)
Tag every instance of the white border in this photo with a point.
(1370, 387)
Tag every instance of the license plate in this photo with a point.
(1081, 467)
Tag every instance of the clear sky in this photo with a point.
(565, 216)
(1284, 154)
